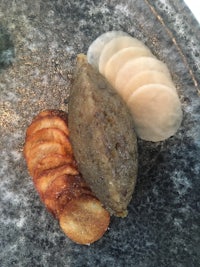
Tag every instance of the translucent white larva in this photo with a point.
(156, 111)
(143, 81)
(115, 45)
(135, 66)
(98, 44)
(146, 77)
(116, 62)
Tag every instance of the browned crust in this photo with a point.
(53, 112)
(40, 151)
(43, 181)
(45, 135)
(50, 160)
(48, 121)
(84, 220)
(63, 189)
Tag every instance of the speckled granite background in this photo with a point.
(39, 41)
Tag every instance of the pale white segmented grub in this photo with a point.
(115, 45)
(135, 66)
(156, 111)
(139, 77)
(116, 62)
(98, 44)
(145, 78)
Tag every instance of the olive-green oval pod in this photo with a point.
(103, 139)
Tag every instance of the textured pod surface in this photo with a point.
(103, 139)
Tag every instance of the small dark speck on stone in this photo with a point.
(66, 101)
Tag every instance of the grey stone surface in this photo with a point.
(163, 225)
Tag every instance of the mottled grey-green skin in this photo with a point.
(103, 139)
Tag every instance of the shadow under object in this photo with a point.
(7, 53)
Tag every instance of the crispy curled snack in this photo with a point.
(61, 187)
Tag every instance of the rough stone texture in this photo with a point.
(43, 38)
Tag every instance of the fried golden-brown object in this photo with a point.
(51, 162)
(61, 187)
(33, 157)
(44, 135)
(62, 190)
(49, 121)
(48, 176)
(84, 219)
(53, 112)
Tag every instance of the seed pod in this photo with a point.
(103, 139)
